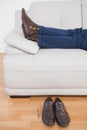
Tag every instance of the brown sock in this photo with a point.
(30, 26)
(23, 28)
(33, 37)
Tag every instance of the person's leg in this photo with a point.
(48, 41)
(55, 31)
(51, 37)
(64, 40)
(83, 39)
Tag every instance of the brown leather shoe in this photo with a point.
(62, 116)
(48, 114)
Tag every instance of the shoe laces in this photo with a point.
(59, 107)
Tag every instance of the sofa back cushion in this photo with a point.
(60, 14)
(84, 13)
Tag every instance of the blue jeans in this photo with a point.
(59, 38)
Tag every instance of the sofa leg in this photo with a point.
(20, 96)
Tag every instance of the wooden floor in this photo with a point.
(25, 113)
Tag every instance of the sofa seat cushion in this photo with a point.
(48, 60)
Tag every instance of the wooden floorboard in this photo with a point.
(25, 113)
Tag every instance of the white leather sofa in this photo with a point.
(50, 71)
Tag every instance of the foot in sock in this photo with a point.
(32, 37)
(30, 26)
